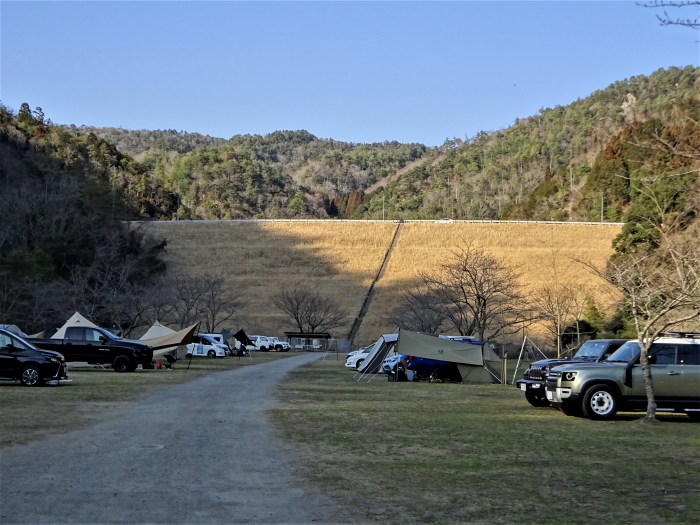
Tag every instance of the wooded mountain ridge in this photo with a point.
(556, 165)
(66, 189)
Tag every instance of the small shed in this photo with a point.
(308, 342)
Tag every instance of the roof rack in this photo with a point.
(690, 335)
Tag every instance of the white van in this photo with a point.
(203, 345)
(219, 338)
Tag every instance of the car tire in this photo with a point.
(278, 348)
(358, 364)
(263, 349)
(600, 402)
(122, 363)
(188, 355)
(211, 354)
(536, 399)
(30, 376)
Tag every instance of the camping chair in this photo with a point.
(170, 359)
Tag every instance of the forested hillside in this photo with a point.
(574, 162)
(285, 174)
(628, 152)
(565, 163)
(63, 245)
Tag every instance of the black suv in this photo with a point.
(31, 366)
(591, 351)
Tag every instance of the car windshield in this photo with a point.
(590, 349)
(627, 353)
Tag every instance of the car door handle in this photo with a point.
(672, 373)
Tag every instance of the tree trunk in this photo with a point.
(648, 383)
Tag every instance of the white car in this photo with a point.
(354, 359)
(203, 345)
(262, 343)
(280, 346)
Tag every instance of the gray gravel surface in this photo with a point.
(201, 452)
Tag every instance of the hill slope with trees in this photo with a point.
(628, 152)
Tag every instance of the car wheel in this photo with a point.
(263, 349)
(211, 354)
(30, 376)
(600, 402)
(536, 399)
(188, 355)
(358, 364)
(122, 363)
(278, 348)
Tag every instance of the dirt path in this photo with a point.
(201, 452)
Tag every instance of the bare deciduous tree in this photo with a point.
(661, 287)
(421, 311)
(668, 20)
(201, 298)
(309, 311)
(559, 303)
(480, 294)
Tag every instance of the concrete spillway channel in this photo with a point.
(370, 292)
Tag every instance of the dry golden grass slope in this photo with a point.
(341, 258)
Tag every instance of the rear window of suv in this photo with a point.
(665, 353)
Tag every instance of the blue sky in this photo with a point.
(350, 71)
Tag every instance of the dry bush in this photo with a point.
(340, 259)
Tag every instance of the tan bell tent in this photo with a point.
(468, 357)
(75, 320)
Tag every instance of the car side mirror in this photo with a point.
(103, 339)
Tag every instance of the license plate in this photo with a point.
(523, 387)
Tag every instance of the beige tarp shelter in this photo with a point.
(468, 357)
(168, 341)
(75, 320)
(155, 332)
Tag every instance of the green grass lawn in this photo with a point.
(446, 453)
(424, 453)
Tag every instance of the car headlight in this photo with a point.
(569, 376)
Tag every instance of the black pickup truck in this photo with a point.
(98, 346)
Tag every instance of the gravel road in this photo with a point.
(201, 452)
